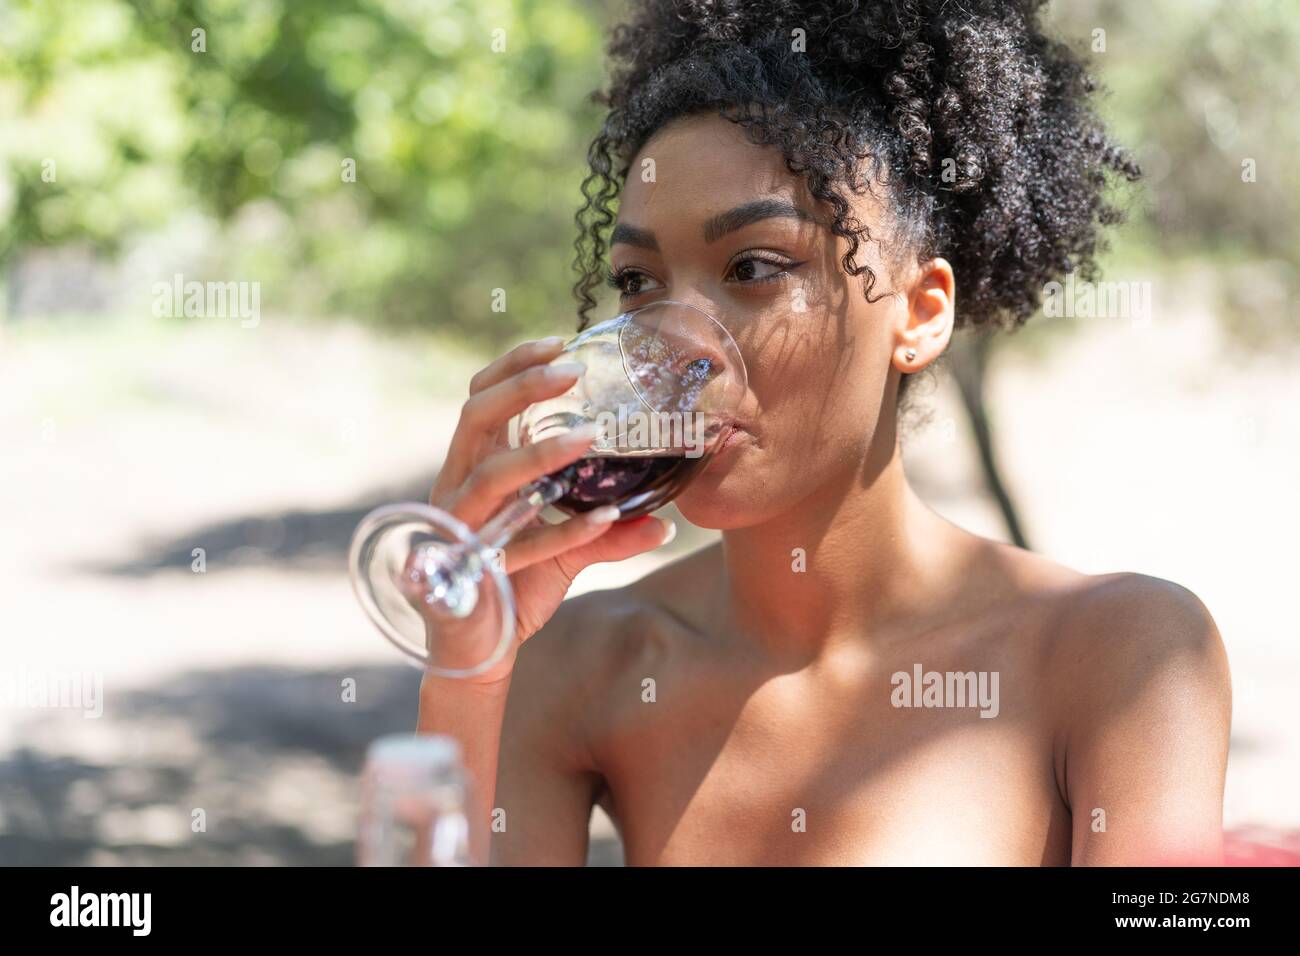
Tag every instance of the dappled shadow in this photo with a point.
(266, 758)
(298, 538)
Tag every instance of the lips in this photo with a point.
(733, 434)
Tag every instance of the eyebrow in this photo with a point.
(751, 212)
(718, 226)
(634, 236)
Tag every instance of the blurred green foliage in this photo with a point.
(467, 155)
(1198, 88)
(468, 158)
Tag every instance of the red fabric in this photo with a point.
(1261, 846)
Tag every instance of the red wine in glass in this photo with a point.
(637, 482)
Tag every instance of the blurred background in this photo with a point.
(178, 492)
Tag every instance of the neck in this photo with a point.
(841, 565)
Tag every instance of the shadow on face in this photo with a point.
(711, 219)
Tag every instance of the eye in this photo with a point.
(628, 281)
(752, 268)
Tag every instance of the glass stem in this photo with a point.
(451, 586)
(517, 515)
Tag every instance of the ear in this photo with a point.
(927, 327)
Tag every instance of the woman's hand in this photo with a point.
(482, 474)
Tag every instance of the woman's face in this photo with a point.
(710, 219)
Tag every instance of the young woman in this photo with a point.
(843, 185)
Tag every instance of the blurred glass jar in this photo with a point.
(415, 796)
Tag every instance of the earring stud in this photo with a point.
(909, 354)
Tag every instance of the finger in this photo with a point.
(541, 544)
(488, 410)
(623, 540)
(485, 415)
(504, 473)
(515, 361)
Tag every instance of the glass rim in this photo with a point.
(414, 750)
(628, 313)
(367, 537)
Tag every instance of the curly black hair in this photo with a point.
(977, 126)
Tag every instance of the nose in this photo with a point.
(694, 334)
(702, 363)
(698, 300)
(715, 310)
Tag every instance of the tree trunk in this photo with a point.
(969, 358)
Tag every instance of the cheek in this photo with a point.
(819, 405)
(816, 418)
(822, 428)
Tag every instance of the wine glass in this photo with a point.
(662, 385)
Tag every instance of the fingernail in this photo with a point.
(565, 370)
(583, 434)
(603, 515)
(670, 531)
(552, 341)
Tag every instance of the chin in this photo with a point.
(724, 496)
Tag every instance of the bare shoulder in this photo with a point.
(604, 619)
(1141, 704)
(1100, 632)
(1130, 668)
(1099, 613)
(1134, 647)
(594, 637)
(1129, 616)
